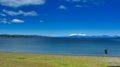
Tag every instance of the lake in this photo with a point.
(62, 46)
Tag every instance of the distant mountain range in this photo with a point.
(37, 36)
(97, 36)
(101, 36)
(20, 36)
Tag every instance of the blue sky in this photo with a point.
(60, 17)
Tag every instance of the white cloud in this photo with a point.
(8, 21)
(18, 3)
(41, 21)
(78, 34)
(2, 14)
(20, 12)
(78, 6)
(32, 13)
(94, 2)
(17, 21)
(63, 7)
(5, 21)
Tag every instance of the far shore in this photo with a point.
(10, 59)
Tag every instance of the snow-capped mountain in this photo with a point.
(90, 36)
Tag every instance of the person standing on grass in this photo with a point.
(106, 52)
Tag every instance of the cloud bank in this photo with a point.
(20, 12)
(17, 21)
(78, 35)
(19, 3)
(86, 3)
(5, 21)
(63, 7)
(8, 21)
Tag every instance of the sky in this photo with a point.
(60, 17)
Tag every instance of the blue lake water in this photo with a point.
(64, 46)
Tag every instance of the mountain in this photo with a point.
(20, 36)
(86, 36)
(71, 36)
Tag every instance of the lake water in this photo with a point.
(64, 46)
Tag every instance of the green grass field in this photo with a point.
(38, 60)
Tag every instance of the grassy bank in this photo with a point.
(38, 60)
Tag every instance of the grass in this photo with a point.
(39, 60)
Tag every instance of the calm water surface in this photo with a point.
(64, 46)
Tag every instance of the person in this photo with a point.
(106, 52)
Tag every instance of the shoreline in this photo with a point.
(59, 54)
